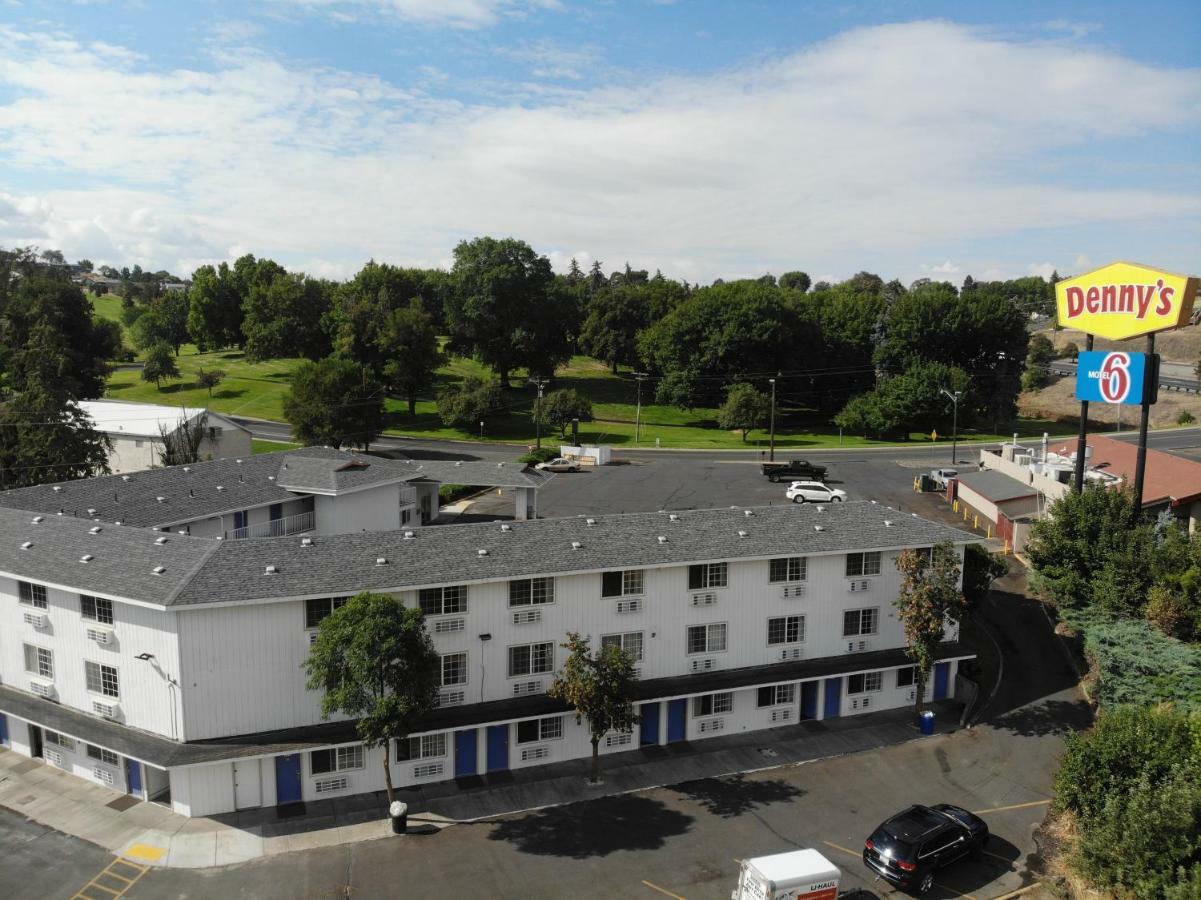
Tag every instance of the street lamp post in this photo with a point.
(638, 376)
(540, 383)
(771, 452)
(954, 395)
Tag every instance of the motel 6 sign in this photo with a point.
(1117, 377)
(1123, 300)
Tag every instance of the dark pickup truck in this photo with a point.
(794, 469)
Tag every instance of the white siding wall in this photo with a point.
(76, 761)
(146, 699)
(132, 453)
(377, 509)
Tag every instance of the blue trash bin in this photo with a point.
(927, 722)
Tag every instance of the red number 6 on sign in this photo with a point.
(1115, 377)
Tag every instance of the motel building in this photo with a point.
(165, 661)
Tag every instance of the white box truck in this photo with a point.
(797, 875)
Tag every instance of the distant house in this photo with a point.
(136, 431)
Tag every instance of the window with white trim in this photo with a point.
(454, 668)
(707, 638)
(630, 642)
(336, 759)
(96, 609)
(859, 564)
(708, 575)
(531, 591)
(712, 704)
(428, 746)
(785, 630)
(531, 659)
(443, 601)
(32, 594)
(101, 755)
(318, 609)
(622, 583)
(39, 661)
(547, 729)
(787, 568)
(864, 682)
(776, 695)
(860, 621)
(102, 679)
(59, 740)
(907, 676)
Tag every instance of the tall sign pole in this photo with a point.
(1082, 440)
(1140, 466)
(772, 452)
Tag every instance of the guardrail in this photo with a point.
(301, 522)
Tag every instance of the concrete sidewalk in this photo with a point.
(153, 834)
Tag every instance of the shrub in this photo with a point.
(471, 401)
(449, 493)
(1185, 418)
(546, 454)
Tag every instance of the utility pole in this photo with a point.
(771, 453)
(540, 383)
(638, 376)
(954, 395)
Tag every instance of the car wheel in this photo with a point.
(837, 499)
(774, 479)
(798, 499)
(926, 883)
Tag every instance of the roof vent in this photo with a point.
(481, 552)
(163, 499)
(27, 545)
(36, 520)
(458, 462)
(187, 468)
(662, 539)
(86, 558)
(590, 522)
(220, 488)
(125, 478)
(873, 502)
(118, 522)
(819, 527)
(888, 523)
(238, 461)
(741, 533)
(748, 512)
(306, 542)
(160, 540)
(159, 570)
(271, 570)
(91, 510)
(95, 529)
(576, 545)
(674, 517)
(56, 489)
(821, 509)
(270, 477)
(409, 535)
(381, 560)
(505, 526)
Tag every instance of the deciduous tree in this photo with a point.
(209, 378)
(558, 408)
(158, 364)
(334, 402)
(929, 595)
(745, 408)
(286, 316)
(470, 401)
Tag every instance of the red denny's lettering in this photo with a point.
(1132, 299)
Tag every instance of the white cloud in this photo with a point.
(1083, 263)
(944, 268)
(453, 13)
(1044, 269)
(550, 60)
(866, 151)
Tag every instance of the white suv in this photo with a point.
(815, 491)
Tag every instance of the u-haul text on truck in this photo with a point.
(797, 875)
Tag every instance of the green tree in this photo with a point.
(85, 265)
(610, 333)
(929, 595)
(599, 687)
(158, 364)
(503, 309)
(209, 379)
(411, 342)
(980, 569)
(745, 408)
(334, 402)
(164, 320)
(286, 316)
(471, 401)
(558, 408)
(373, 660)
(215, 308)
(910, 401)
(795, 281)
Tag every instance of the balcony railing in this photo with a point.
(297, 524)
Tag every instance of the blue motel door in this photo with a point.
(809, 699)
(133, 776)
(498, 748)
(465, 753)
(677, 720)
(3, 730)
(648, 731)
(833, 697)
(942, 677)
(287, 779)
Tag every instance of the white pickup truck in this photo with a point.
(796, 875)
(940, 477)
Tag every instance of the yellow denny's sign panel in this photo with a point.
(1123, 300)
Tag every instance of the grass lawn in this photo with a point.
(258, 445)
(256, 390)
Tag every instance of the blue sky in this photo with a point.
(704, 138)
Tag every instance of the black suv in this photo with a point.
(910, 847)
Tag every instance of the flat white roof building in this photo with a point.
(136, 431)
(169, 665)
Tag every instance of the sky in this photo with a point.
(706, 139)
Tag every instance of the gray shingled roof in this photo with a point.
(346, 564)
(996, 486)
(223, 485)
(122, 558)
(344, 472)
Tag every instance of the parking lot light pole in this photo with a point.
(638, 376)
(771, 452)
(540, 383)
(954, 395)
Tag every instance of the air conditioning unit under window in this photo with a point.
(706, 599)
(629, 606)
(710, 726)
(859, 585)
(451, 698)
(103, 775)
(532, 753)
(528, 617)
(861, 703)
(522, 688)
(707, 664)
(427, 770)
(328, 785)
(858, 646)
(782, 715)
(37, 620)
(447, 626)
(42, 689)
(790, 653)
(791, 591)
(108, 710)
(53, 756)
(99, 635)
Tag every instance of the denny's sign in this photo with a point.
(1124, 300)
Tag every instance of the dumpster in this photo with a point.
(927, 722)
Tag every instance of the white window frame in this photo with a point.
(782, 695)
(334, 603)
(97, 679)
(98, 613)
(30, 594)
(912, 670)
(42, 659)
(550, 728)
(722, 702)
(795, 621)
(633, 583)
(871, 682)
(796, 568)
(101, 755)
(343, 759)
(451, 600)
(540, 591)
(713, 575)
(550, 659)
(709, 642)
(426, 746)
(58, 739)
(450, 658)
(625, 640)
(859, 564)
(861, 631)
